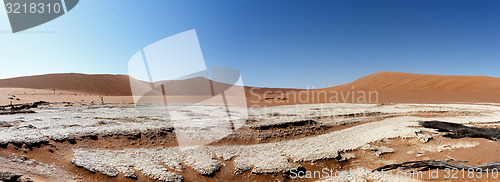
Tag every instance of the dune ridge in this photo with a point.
(101, 84)
(393, 87)
(410, 81)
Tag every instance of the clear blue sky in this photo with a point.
(273, 43)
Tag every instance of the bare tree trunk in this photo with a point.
(439, 164)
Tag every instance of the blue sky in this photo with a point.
(272, 43)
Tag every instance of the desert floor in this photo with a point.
(110, 142)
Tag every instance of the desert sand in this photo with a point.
(395, 87)
(391, 87)
(90, 130)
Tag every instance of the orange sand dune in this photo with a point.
(390, 87)
(117, 85)
(419, 82)
(397, 87)
(383, 87)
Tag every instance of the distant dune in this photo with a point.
(104, 84)
(390, 87)
(397, 87)
(398, 81)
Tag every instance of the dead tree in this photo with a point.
(426, 165)
(460, 131)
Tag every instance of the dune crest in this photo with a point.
(102, 84)
(410, 81)
(392, 87)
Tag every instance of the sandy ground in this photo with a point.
(116, 142)
(33, 95)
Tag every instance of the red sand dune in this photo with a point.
(104, 84)
(396, 87)
(390, 87)
(410, 81)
